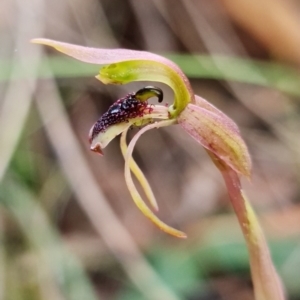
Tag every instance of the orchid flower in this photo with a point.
(211, 128)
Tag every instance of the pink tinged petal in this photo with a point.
(100, 56)
(266, 282)
(201, 102)
(138, 173)
(134, 192)
(129, 65)
(217, 134)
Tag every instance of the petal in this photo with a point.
(125, 66)
(100, 56)
(218, 134)
(138, 173)
(134, 192)
(201, 102)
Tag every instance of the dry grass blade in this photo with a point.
(19, 92)
(61, 275)
(2, 260)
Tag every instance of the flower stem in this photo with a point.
(266, 282)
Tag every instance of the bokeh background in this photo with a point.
(68, 227)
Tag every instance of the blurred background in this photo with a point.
(68, 227)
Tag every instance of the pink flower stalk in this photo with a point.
(211, 128)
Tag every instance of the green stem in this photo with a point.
(266, 282)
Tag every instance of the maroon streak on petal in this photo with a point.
(201, 102)
(218, 134)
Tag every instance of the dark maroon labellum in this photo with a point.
(121, 111)
(132, 106)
